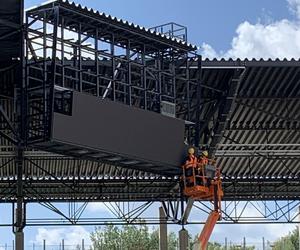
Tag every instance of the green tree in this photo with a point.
(218, 246)
(129, 237)
(214, 246)
(172, 241)
(289, 242)
(108, 238)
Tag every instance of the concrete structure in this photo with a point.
(163, 230)
(183, 239)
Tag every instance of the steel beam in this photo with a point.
(198, 101)
(187, 211)
(225, 110)
(20, 209)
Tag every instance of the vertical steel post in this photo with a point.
(112, 51)
(45, 113)
(263, 241)
(44, 244)
(19, 223)
(244, 243)
(226, 243)
(128, 72)
(198, 111)
(159, 65)
(97, 63)
(79, 59)
(82, 244)
(62, 30)
(52, 77)
(144, 78)
(173, 78)
(188, 96)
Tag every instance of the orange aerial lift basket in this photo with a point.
(203, 182)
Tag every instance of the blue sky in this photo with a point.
(210, 21)
(231, 28)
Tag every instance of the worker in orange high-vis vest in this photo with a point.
(203, 159)
(200, 171)
(191, 159)
(189, 166)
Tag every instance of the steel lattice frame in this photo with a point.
(217, 99)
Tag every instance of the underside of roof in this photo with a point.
(258, 152)
(248, 114)
(261, 137)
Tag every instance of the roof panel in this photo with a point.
(87, 15)
(261, 143)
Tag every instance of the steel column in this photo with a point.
(163, 230)
(198, 111)
(20, 210)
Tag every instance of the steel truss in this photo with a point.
(66, 53)
(125, 213)
(78, 193)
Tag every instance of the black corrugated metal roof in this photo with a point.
(120, 24)
(258, 153)
(261, 139)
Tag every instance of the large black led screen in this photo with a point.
(119, 129)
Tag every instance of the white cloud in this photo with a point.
(97, 207)
(71, 236)
(275, 39)
(253, 233)
(294, 6)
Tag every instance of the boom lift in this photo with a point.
(202, 181)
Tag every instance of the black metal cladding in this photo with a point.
(118, 134)
(10, 41)
(10, 30)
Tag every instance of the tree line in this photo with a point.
(140, 237)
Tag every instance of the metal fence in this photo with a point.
(243, 244)
(227, 244)
(44, 246)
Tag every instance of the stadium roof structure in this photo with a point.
(115, 25)
(245, 112)
(258, 151)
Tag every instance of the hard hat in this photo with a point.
(191, 151)
(205, 153)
